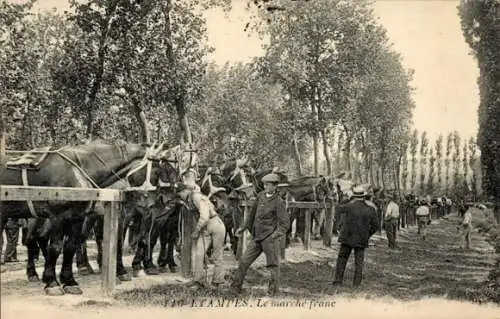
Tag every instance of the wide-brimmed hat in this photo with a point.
(358, 192)
(271, 178)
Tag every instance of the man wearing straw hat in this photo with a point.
(268, 223)
(391, 219)
(358, 222)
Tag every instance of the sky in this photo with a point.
(425, 32)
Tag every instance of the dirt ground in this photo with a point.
(424, 279)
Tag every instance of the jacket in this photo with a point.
(358, 222)
(267, 215)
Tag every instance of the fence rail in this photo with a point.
(110, 239)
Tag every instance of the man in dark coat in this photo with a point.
(358, 221)
(268, 223)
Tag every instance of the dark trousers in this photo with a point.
(391, 230)
(343, 257)
(271, 247)
(12, 236)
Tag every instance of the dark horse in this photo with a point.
(91, 165)
(155, 210)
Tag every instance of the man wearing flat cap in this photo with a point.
(358, 221)
(268, 222)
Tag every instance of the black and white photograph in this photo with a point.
(249, 158)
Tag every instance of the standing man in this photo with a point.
(391, 219)
(423, 217)
(268, 223)
(466, 229)
(358, 222)
(12, 227)
(209, 231)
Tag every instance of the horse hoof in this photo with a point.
(73, 290)
(173, 269)
(162, 269)
(33, 278)
(54, 291)
(125, 277)
(135, 273)
(85, 271)
(152, 271)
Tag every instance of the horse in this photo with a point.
(154, 210)
(96, 165)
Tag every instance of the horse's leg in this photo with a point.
(317, 220)
(121, 272)
(140, 248)
(289, 231)
(151, 240)
(73, 230)
(52, 286)
(32, 248)
(171, 240)
(163, 256)
(82, 258)
(300, 225)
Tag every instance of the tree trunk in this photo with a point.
(144, 135)
(326, 154)
(90, 100)
(178, 100)
(347, 157)
(3, 137)
(296, 155)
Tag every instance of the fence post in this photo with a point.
(307, 230)
(187, 243)
(329, 214)
(110, 241)
(242, 240)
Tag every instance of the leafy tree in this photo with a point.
(439, 160)
(431, 182)
(413, 151)
(472, 165)
(456, 160)
(481, 30)
(447, 161)
(424, 149)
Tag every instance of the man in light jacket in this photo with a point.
(391, 218)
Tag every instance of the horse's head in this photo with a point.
(236, 173)
(212, 182)
(184, 157)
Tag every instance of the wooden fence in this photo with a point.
(114, 196)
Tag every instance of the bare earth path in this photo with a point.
(425, 279)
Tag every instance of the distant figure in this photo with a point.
(391, 219)
(357, 222)
(465, 227)
(423, 217)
